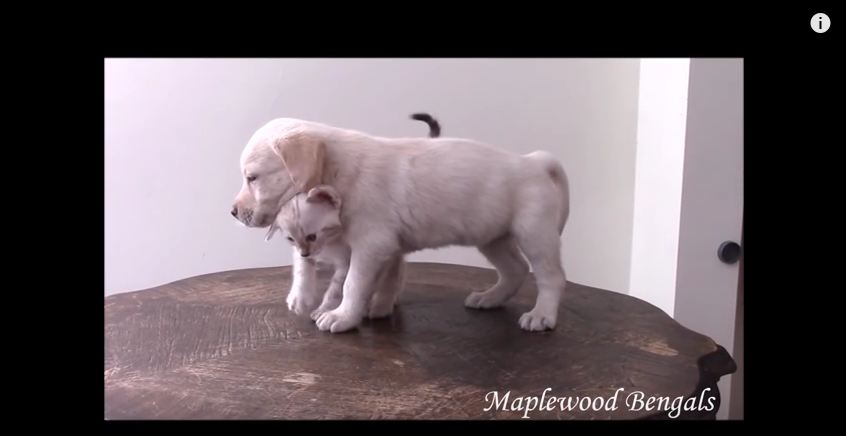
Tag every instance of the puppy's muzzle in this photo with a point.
(243, 215)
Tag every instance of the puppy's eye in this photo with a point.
(251, 179)
(290, 239)
(311, 237)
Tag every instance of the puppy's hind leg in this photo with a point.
(512, 269)
(539, 238)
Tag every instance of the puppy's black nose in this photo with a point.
(304, 254)
(234, 211)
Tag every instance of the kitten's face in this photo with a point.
(309, 222)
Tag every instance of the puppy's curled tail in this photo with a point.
(559, 178)
(434, 126)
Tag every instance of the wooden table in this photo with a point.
(225, 346)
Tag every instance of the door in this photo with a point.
(736, 410)
(712, 205)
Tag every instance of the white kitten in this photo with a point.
(312, 224)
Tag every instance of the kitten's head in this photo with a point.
(310, 220)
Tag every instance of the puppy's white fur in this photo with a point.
(407, 194)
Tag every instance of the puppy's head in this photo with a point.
(282, 158)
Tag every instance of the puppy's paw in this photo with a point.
(337, 321)
(536, 320)
(300, 303)
(315, 314)
(326, 306)
(485, 300)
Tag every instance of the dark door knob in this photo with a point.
(729, 252)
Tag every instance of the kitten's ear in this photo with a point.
(324, 194)
(270, 232)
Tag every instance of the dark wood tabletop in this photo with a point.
(225, 346)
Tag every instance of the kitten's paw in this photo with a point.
(337, 321)
(538, 320)
(300, 303)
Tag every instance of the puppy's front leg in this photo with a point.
(390, 284)
(303, 296)
(358, 288)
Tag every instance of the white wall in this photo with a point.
(662, 121)
(175, 129)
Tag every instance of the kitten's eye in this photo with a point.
(311, 237)
(251, 179)
(290, 239)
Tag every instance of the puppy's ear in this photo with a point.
(324, 194)
(303, 155)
